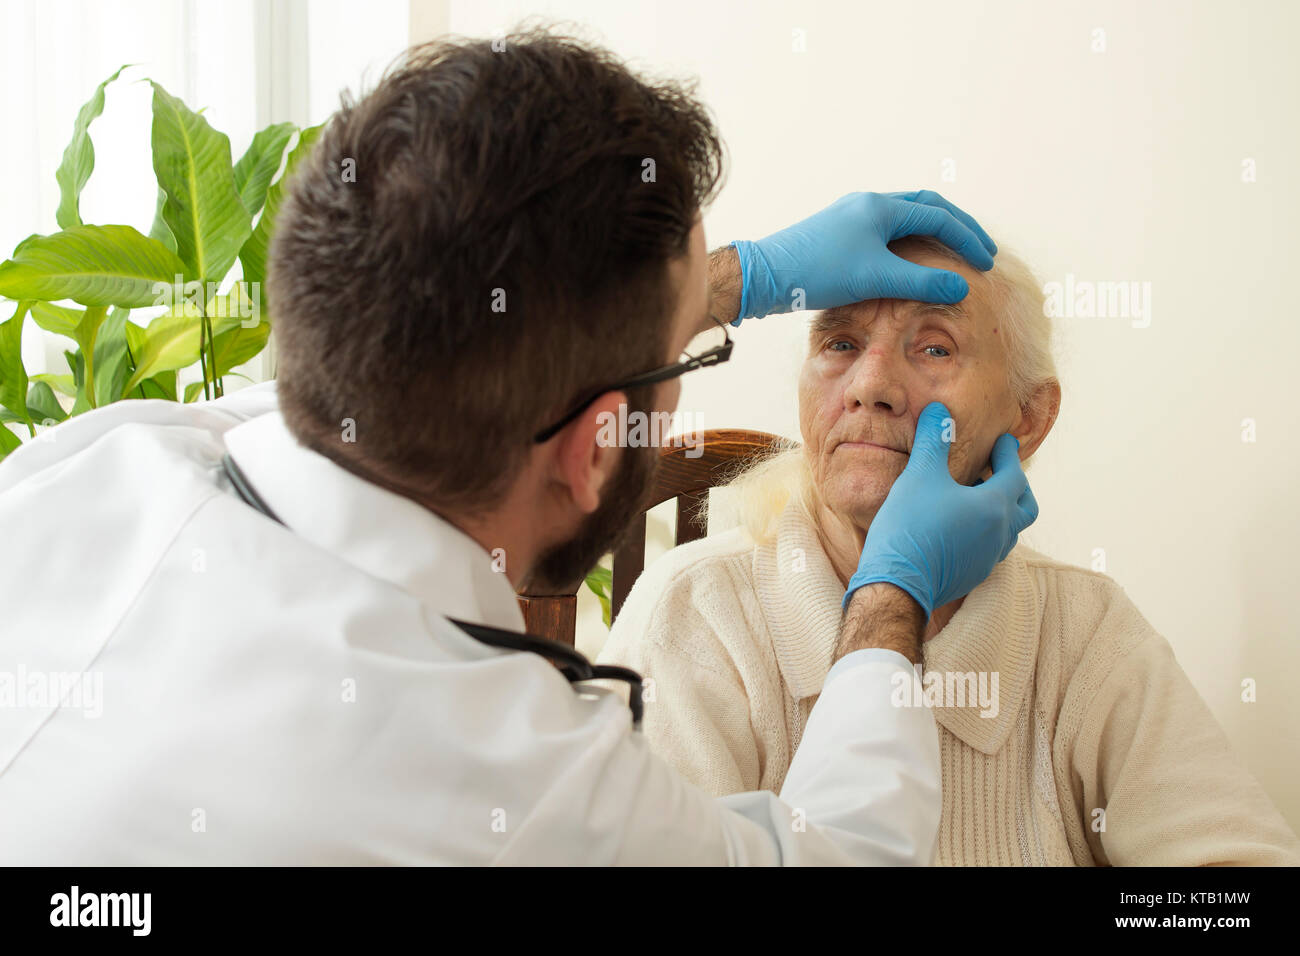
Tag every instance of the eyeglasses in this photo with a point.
(709, 348)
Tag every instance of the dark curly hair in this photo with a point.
(472, 246)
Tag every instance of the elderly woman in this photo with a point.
(1094, 749)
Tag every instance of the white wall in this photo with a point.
(1117, 165)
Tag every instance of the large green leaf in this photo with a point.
(43, 406)
(60, 383)
(253, 254)
(135, 336)
(56, 318)
(79, 158)
(8, 442)
(238, 346)
(203, 209)
(93, 265)
(600, 581)
(87, 329)
(162, 385)
(13, 375)
(255, 168)
(107, 340)
(159, 228)
(170, 342)
(77, 362)
(19, 248)
(112, 360)
(86, 335)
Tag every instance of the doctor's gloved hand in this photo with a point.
(937, 539)
(839, 255)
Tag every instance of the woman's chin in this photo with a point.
(858, 495)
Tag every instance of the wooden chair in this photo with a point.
(688, 479)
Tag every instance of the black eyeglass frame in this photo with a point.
(709, 358)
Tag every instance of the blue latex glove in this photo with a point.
(937, 539)
(839, 255)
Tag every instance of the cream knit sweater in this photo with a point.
(1094, 713)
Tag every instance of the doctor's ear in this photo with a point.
(1037, 417)
(587, 451)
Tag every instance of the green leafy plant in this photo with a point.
(600, 581)
(210, 214)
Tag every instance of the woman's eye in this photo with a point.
(930, 348)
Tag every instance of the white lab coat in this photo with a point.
(278, 696)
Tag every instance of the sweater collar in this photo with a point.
(994, 631)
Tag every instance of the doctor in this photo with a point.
(281, 627)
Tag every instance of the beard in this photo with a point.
(561, 568)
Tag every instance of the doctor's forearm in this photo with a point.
(725, 285)
(882, 615)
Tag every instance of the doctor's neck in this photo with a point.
(507, 541)
(522, 527)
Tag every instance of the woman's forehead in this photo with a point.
(859, 315)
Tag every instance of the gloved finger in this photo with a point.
(1026, 509)
(929, 449)
(932, 198)
(900, 279)
(919, 219)
(1008, 477)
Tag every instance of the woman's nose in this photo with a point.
(877, 381)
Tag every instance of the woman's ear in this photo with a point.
(587, 450)
(1037, 417)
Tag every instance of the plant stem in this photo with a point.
(203, 364)
(131, 359)
(212, 353)
(90, 376)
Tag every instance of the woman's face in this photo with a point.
(871, 368)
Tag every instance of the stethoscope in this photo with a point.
(570, 662)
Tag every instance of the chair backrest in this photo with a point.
(687, 470)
